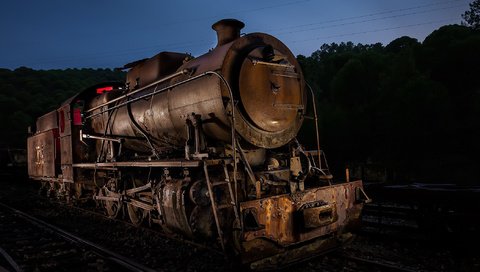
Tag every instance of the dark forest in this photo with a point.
(413, 108)
(27, 94)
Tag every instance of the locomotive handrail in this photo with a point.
(234, 141)
(316, 125)
(150, 94)
(183, 72)
(255, 62)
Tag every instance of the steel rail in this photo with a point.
(383, 266)
(153, 231)
(10, 261)
(103, 252)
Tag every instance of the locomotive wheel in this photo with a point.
(51, 190)
(137, 215)
(78, 190)
(112, 208)
(237, 237)
(198, 193)
(43, 188)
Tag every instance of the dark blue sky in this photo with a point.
(53, 34)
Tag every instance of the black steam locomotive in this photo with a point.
(204, 147)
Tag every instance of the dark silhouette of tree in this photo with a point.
(26, 94)
(411, 107)
(472, 16)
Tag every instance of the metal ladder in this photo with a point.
(322, 167)
(215, 206)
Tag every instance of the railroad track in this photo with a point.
(390, 219)
(347, 260)
(144, 227)
(30, 244)
(392, 215)
(366, 264)
(146, 244)
(374, 252)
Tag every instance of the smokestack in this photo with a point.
(227, 30)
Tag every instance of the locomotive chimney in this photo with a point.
(227, 30)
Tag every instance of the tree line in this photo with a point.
(26, 94)
(411, 107)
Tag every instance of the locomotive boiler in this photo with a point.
(206, 148)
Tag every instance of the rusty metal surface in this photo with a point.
(205, 101)
(271, 105)
(286, 220)
(227, 30)
(265, 92)
(248, 129)
(66, 150)
(154, 68)
(163, 116)
(66, 157)
(47, 121)
(64, 120)
(173, 207)
(41, 153)
(138, 90)
(67, 173)
(164, 163)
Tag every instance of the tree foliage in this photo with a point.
(472, 16)
(26, 94)
(412, 107)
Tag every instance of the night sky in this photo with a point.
(55, 34)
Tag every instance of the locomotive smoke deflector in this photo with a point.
(227, 30)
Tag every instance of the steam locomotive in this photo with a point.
(206, 148)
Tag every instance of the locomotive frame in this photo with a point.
(251, 188)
